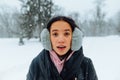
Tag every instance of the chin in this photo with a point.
(61, 53)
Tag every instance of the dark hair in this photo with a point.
(62, 18)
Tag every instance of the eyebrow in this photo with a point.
(54, 30)
(58, 30)
(67, 30)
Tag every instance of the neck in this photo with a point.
(61, 57)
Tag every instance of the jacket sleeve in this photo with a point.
(32, 73)
(91, 73)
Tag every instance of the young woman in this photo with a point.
(62, 57)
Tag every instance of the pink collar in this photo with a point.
(57, 62)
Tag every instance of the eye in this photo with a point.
(55, 34)
(66, 33)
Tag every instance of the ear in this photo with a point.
(45, 39)
(77, 39)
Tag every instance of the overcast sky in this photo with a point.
(82, 6)
(85, 6)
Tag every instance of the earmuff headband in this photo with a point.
(76, 39)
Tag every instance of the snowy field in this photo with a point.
(104, 51)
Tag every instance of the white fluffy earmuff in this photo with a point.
(76, 39)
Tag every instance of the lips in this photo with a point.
(61, 47)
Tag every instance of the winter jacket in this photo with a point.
(78, 67)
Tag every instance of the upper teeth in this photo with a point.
(61, 46)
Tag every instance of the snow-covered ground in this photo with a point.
(104, 51)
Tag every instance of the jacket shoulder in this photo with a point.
(86, 60)
(37, 66)
(42, 55)
(88, 69)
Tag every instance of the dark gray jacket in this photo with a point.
(78, 67)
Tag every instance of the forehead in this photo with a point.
(60, 25)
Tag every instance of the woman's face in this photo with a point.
(61, 36)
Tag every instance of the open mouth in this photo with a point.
(61, 47)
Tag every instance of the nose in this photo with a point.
(61, 39)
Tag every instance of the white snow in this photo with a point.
(15, 59)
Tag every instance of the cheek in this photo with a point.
(69, 41)
(53, 41)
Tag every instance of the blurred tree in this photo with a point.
(7, 22)
(118, 22)
(98, 21)
(35, 15)
(111, 27)
(76, 17)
